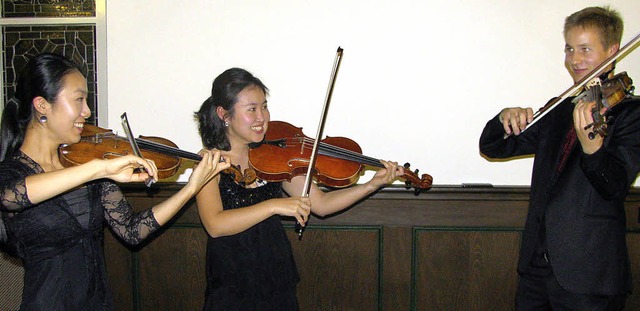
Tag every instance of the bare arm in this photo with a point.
(219, 222)
(326, 203)
(202, 174)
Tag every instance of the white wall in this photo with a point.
(418, 80)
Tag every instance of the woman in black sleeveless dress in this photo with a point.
(250, 263)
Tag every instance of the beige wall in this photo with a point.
(418, 80)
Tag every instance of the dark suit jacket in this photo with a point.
(583, 205)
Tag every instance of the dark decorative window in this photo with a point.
(48, 8)
(76, 42)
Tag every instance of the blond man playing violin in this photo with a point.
(573, 254)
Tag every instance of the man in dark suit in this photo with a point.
(573, 254)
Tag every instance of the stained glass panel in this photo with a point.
(76, 42)
(48, 8)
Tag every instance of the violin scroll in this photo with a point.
(243, 178)
(412, 180)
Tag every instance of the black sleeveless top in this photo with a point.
(254, 269)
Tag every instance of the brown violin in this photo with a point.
(606, 94)
(100, 143)
(284, 153)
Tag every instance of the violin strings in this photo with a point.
(345, 154)
(337, 152)
(146, 144)
(158, 147)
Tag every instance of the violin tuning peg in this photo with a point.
(408, 185)
(406, 166)
(416, 171)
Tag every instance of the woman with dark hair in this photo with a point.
(52, 217)
(249, 262)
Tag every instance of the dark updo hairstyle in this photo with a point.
(224, 93)
(42, 76)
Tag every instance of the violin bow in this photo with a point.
(314, 152)
(582, 82)
(134, 144)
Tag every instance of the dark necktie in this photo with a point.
(569, 142)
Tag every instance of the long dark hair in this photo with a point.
(42, 76)
(224, 93)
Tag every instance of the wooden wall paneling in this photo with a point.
(633, 243)
(632, 208)
(120, 271)
(172, 270)
(458, 269)
(396, 273)
(449, 248)
(339, 267)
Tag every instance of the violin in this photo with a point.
(579, 85)
(285, 152)
(606, 93)
(100, 143)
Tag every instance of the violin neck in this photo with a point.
(168, 150)
(345, 154)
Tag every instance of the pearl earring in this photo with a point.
(226, 123)
(43, 119)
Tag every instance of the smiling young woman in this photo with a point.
(52, 217)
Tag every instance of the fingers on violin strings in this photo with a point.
(392, 167)
(211, 156)
(581, 114)
(399, 170)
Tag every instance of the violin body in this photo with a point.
(286, 152)
(616, 89)
(606, 94)
(291, 157)
(99, 143)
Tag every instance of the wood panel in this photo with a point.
(120, 272)
(397, 272)
(465, 270)
(339, 268)
(449, 248)
(633, 242)
(172, 270)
